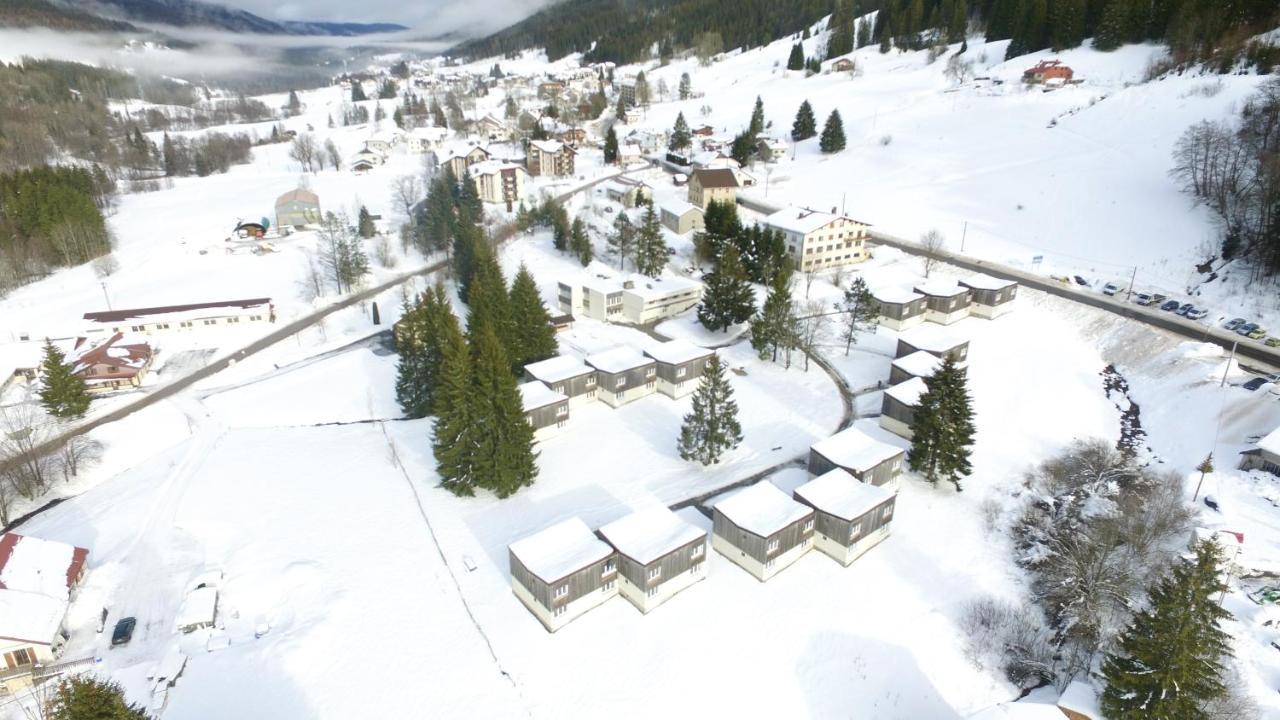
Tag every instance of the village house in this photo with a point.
(681, 217)
(383, 141)
(425, 139)
(762, 530)
(562, 572)
(859, 454)
(771, 149)
(629, 153)
(1266, 456)
(899, 309)
(37, 580)
(659, 554)
(852, 517)
(572, 137)
(175, 318)
(458, 160)
(499, 182)
(680, 366)
(718, 184)
(945, 302)
(637, 300)
(990, 297)
(19, 363)
(110, 364)
(919, 364)
(704, 131)
(713, 159)
(623, 375)
(297, 208)
(544, 408)
(933, 340)
(566, 375)
(818, 240)
(898, 406)
(365, 160)
(627, 191)
(492, 128)
(1048, 72)
(550, 89)
(550, 157)
(843, 64)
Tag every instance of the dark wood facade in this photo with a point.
(673, 564)
(902, 311)
(849, 532)
(577, 584)
(891, 407)
(884, 472)
(755, 546)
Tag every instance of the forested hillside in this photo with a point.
(41, 13)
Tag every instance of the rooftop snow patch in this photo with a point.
(908, 393)
(646, 535)
(843, 495)
(986, 282)
(535, 394)
(803, 220)
(556, 369)
(651, 288)
(920, 363)
(560, 550)
(39, 566)
(895, 295)
(1271, 442)
(30, 616)
(940, 288)
(678, 351)
(198, 608)
(1081, 697)
(762, 509)
(617, 360)
(930, 337)
(854, 449)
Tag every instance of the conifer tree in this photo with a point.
(620, 110)
(611, 146)
(958, 23)
(743, 147)
(832, 140)
(728, 298)
(863, 36)
(62, 393)
(642, 89)
(942, 426)
(841, 40)
(711, 428)
(651, 252)
(1066, 24)
(886, 33)
(503, 460)
(805, 125)
(757, 120)
(487, 301)
(796, 60)
(413, 388)
(455, 435)
(681, 138)
(357, 92)
(860, 311)
(467, 237)
(720, 228)
(686, 86)
(1169, 664)
(622, 240)
(364, 223)
(84, 697)
(295, 105)
(532, 336)
(580, 242)
(771, 329)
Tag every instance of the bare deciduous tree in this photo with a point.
(78, 453)
(331, 151)
(24, 464)
(305, 151)
(406, 191)
(812, 320)
(932, 243)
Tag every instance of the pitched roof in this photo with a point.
(134, 313)
(840, 494)
(920, 363)
(895, 295)
(40, 566)
(553, 370)
(30, 617)
(298, 195)
(534, 394)
(646, 535)
(762, 509)
(619, 359)
(853, 449)
(716, 178)
(982, 281)
(110, 351)
(560, 550)
(930, 337)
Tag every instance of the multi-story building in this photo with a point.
(638, 300)
(499, 182)
(707, 184)
(550, 157)
(818, 240)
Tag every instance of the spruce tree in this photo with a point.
(622, 240)
(503, 460)
(364, 223)
(863, 37)
(580, 242)
(840, 41)
(860, 311)
(357, 92)
(681, 137)
(413, 394)
(1169, 663)
(532, 336)
(652, 253)
(611, 146)
(796, 60)
(756, 125)
(832, 140)
(711, 428)
(886, 34)
(942, 426)
(642, 89)
(805, 125)
(455, 434)
(295, 105)
(743, 147)
(63, 394)
(1066, 24)
(728, 298)
(771, 329)
(84, 697)
(958, 23)
(686, 86)
(487, 301)
(467, 237)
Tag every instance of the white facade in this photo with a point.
(846, 554)
(762, 571)
(622, 396)
(638, 301)
(818, 240)
(897, 427)
(154, 321)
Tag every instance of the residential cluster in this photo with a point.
(38, 579)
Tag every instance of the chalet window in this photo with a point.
(610, 566)
(591, 380)
(697, 551)
(650, 372)
(607, 586)
(696, 568)
(773, 545)
(560, 592)
(652, 591)
(136, 328)
(559, 610)
(681, 372)
(655, 573)
(562, 410)
(854, 531)
(233, 319)
(23, 656)
(210, 322)
(808, 525)
(185, 323)
(620, 383)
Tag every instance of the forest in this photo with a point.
(51, 217)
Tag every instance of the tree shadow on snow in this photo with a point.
(856, 677)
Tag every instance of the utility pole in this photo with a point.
(1230, 359)
(964, 234)
(1132, 280)
(1205, 468)
(843, 196)
(104, 293)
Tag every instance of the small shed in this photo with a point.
(899, 308)
(852, 517)
(566, 375)
(199, 609)
(762, 530)
(897, 409)
(990, 297)
(680, 366)
(921, 364)
(843, 64)
(544, 408)
(945, 302)
(624, 374)
(659, 554)
(859, 454)
(1048, 72)
(933, 340)
(562, 572)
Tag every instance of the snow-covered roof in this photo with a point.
(558, 368)
(193, 310)
(654, 288)
(30, 616)
(679, 207)
(547, 146)
(801, 220)
(851, 448)
(430, 132)
(198, 608)
(895, 295)
(1081, 697)
(493, 167)
(920, 363)
(674, 352)
(841, 494)
(762, 509)
(560, 550)
(1271, 442)
(19, 355)
(982, 281)
(619, 359)
(940, 288)
(535, 394)
(930, 337)
(908, 393)
(298, 195)
(35, 565)
(646, 535)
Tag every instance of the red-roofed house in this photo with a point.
(1048, 71)
(110, 364)
(37, 578)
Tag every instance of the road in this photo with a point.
(1176, 324)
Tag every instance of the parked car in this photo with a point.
(1234, 323)
(1143, 299)
(1256, 333)
(124, 631)
(1185, 308)
(1254, 383)
(1170, 306)
(1246, 328)
(1196, 313)
(1081, 281)
(1273, 378)
(1110, 289)
(1272, 341)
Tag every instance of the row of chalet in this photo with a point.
(552, 387)
(37, 581)
(919, 354)
(944, 302)
(636, 300)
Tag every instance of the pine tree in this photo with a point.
(1066, 24)
(357, 92)
(85, 697)
(503, 460)
(611, 146)
(832, 140)
(686, 86)
(364, 223)
(805, 125)
(681, 137)
(1112, 26)
(62, 393)
(622, 240)
(487, 301)
(863, 37)
(958, 23)
(170, 156)
(860, 311)
(886, 34)
(642, 89)
(455, 434)
(580, 242)
(743, 147)
(711, 428)
(942, 426)
(467, 238)
(771, 329)
(532, 336)
(295, 105)
(841, 40)
(651, 252)
(1170, 660)
(796, 60)
(727, 298)
(757, 120)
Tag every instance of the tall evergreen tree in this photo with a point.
(686, 86)
(1170, 661)
(295, 105)
(652, 253)
(771, 329)
(832, 140)
(503, 460)
(840, 41)
(532, 336)
(711, 428)
(364, 223)
(681, 137)
(642, 89)
(455, 434)
(580, 242)
(418, 340)
(795, 61)
(611, 146)
(743, 147)
(622, 240)
(957, 22)
(720, 228)
(84, 697)
(728, 298)
(487, 301)
(863, 36)
(805, 125)
(357, 92)
(62, 393)
(942, 426)
(756, 125)
(1066, 24)
(886, 32)
(860, 311)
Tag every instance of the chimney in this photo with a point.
(628, 284)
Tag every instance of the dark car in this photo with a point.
(1255, 383)
(1171, 306)
(1081, 281)
(124, 631)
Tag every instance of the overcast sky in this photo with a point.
(429, 15)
